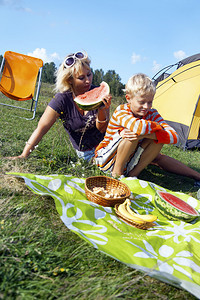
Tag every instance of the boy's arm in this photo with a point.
(124, 119)
(131, 136)
(154, 124)
(167, 135)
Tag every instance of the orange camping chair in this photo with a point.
(19, 74)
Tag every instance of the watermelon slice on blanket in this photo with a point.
(93, 98)
(174, 208)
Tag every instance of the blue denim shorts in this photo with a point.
(86, 155)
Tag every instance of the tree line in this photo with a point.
(111, 77)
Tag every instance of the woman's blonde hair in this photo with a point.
(64, 75)
(140, 84)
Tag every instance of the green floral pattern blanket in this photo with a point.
(169, 251)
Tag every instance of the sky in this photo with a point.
(127, 36)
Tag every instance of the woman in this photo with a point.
(85, 128)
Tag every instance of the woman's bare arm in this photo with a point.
(45, 123)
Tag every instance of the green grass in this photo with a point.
(40, 257)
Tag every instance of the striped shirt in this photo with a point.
(153, 122)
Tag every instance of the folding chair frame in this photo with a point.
(34, 102)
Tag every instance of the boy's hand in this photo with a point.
(130, 135)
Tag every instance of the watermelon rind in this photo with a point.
(90, 106)
(171, 212)
(97, 102)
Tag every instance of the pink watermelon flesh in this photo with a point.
(178, 203)
(93, 96)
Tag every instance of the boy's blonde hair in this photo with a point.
(64, 75)
(140, 84)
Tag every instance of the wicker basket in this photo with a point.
(108, 184)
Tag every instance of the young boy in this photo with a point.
(135, 133)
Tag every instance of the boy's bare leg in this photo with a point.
(151, 150)
(125, 149)
(172, 165)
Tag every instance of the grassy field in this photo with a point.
(40, 257)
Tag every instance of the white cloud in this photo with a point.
(55, 56)
(42, 54)
(179, 55)
(16, 4)
(8, 2)
(156, 66)
(135, 58)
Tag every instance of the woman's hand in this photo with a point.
(45, 123)
(107, 102)
(14, 157)
(103, 114)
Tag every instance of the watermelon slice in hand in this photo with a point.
(93, 98)
(174, 208)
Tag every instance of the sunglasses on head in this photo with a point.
(71, 59)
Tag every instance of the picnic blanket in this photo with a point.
(169, 251)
